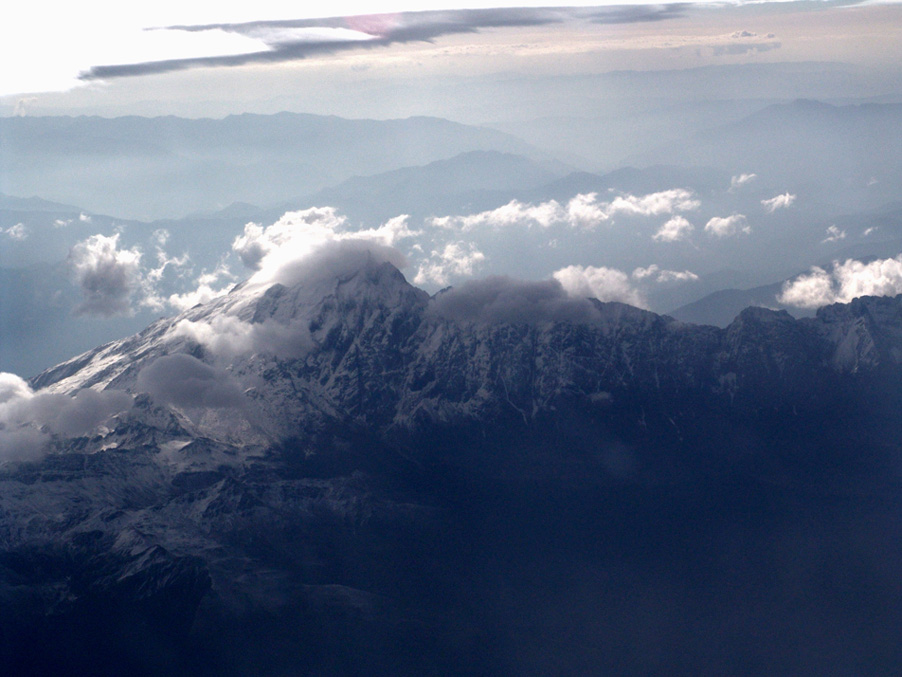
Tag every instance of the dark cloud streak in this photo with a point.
(384, 29)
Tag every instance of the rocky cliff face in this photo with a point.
(357, 479)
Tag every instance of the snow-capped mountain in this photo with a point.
(368, 348)
(348, 462)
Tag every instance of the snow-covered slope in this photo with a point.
(368, 349)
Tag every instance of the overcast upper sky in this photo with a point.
(52, 48)
(90, 46)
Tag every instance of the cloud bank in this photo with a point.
(582, 211)
(503, 300)
(184, 381)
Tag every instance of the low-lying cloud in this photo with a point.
(228, 337)
(29, 419)
(506, 301)
(843, 282)
(184, 381)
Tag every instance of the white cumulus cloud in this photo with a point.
(728, 225)
(29, 419)
(281, 251)
(209, 286)
(844, 282)
(456, 259)
(582, 211)
(656, 274)
(514, 213)
(779, 202)
(17, 232)
(675, 229)
(604, 284)
(107, 275)
(655, 204)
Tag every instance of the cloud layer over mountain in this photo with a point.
(844, 282)
(29, 419)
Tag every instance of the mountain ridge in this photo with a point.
(207, 163)
(327, 472)
(373, 308)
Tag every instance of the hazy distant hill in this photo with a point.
(167, 166)
(722, 307)
(805, 144)
(442, 186)
(36, 313)
(32, 204)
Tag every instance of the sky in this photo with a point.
(140, 33)
(103, 55)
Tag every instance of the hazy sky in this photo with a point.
(205, 58)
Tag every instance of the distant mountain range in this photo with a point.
(149, 168)
(806, 145)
